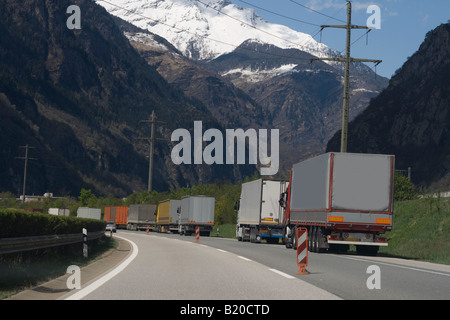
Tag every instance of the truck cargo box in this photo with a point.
(91, 213)
(110, 213)
(121, 216)
(260, 202)
(117, 214)
(196, 211)
(260, 215)
(167, 216)
(59, 212)
(141, 215)
(343, 189)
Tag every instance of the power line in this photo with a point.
(252, 26)
(318, 12)
(206, 37)
(279, 14)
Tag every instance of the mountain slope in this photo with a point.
(301, 99)
(282, 90)
(411, 117)
(229, 105)
(78, 97)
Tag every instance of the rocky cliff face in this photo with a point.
(411, 118)
(302, 99)
(78, 97)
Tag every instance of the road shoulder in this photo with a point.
(57, 288)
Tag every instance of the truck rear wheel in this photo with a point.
(287, 239)
(294, 238)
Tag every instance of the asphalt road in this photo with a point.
(177, 268)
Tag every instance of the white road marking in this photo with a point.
(99, 282)
(244, 258)
(396, 265)
(282, 274)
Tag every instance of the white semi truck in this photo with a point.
(260, 215)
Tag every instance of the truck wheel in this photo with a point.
(314, 239)
(252, 235)
(294, 238)
(286, 240)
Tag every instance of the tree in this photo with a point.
(87, 198)
(403, 188)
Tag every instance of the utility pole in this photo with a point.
(152, 140)
(26, 158)
(347, 60)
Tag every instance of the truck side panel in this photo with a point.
(250, 203)
(163, 215)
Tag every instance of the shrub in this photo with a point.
(17, 223)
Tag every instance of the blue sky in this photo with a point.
(404, 24)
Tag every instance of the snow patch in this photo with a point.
(146, 39)
(260, 75)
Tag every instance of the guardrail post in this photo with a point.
(85, 246)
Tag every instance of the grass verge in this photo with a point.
(421, 230)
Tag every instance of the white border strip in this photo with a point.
(99, 282)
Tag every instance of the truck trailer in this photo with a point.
(117, 214)
(167, 216)
(260, 215)
(91, 213)
(141, 217)
(342, 199)
(196, 211)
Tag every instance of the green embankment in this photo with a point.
(421, 230)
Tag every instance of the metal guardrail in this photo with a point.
(14, 245)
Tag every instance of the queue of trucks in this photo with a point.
(342, 199)
(176, 216)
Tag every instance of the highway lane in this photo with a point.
(175, 267)
(171, 267)
(346, 275)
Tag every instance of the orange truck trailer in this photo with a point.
(117, 214)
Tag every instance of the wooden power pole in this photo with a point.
(26, 158)
(347, 59)
(152, 140)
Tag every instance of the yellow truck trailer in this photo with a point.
(167, 216)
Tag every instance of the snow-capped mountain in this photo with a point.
(248, 72)
(206, 29)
